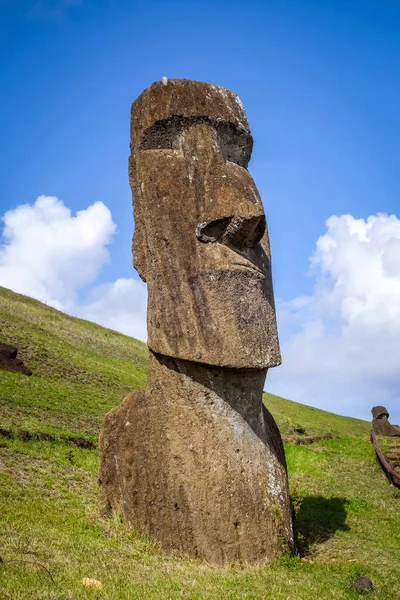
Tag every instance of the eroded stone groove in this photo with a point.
(194, 459)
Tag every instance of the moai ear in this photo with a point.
(138, 255)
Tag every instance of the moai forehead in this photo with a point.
(186, 99)
(378, 412)
(201, 241)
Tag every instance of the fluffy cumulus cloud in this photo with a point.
(120, 305)
(342, 345)
(51, 255)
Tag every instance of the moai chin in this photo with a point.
(195, 459)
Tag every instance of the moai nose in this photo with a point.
(244, 231)
(236, 231)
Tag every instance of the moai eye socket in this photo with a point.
(235, 143)
(162, 134)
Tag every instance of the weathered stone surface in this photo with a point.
(195, 459)
(380, 422)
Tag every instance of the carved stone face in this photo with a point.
(201, 240)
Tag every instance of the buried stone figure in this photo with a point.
(194, 459)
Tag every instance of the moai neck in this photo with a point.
(221, 388)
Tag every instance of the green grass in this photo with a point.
(51, 535)
(300, 420)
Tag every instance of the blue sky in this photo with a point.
(321, 86)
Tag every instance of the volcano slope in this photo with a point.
(51, 536)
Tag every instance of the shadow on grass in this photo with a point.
(316, 519)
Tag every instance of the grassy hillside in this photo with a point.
(51, 536)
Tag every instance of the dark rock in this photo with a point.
(8, 351)
(27, 436)
(10, 362)
(45, 437)
(362, 583)
(79, 442)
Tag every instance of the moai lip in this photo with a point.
(195, 459)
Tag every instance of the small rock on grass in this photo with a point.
(88, 582)
(362, 583)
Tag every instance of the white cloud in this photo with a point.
(49, 254)
(120, 305)
(344, 350)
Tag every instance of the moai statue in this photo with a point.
(9, 360)
(194, 459)
(380, 422)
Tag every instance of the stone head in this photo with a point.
(201, 240)
(379, 412)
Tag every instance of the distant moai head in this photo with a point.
(379, 412)
(201, 240)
